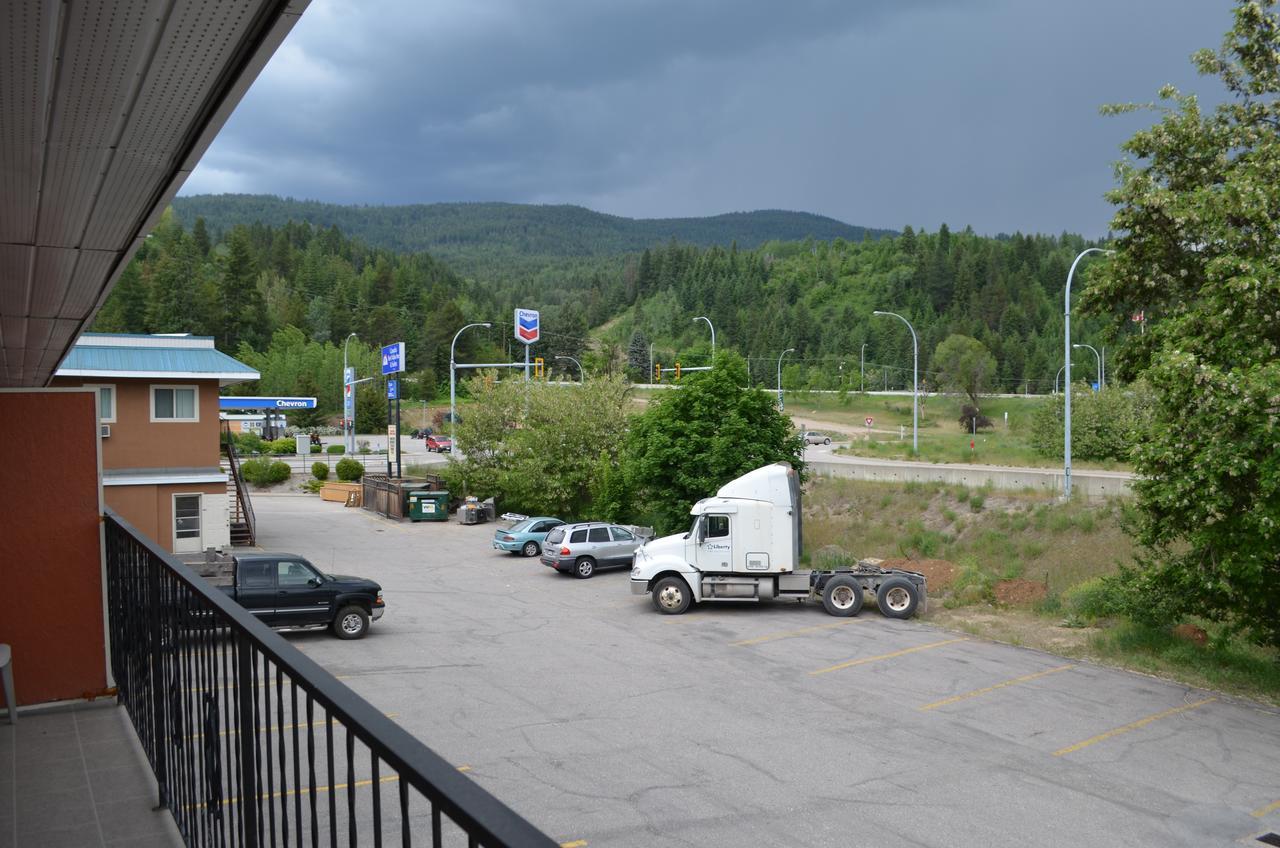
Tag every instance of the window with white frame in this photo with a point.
(106, 403)
(174, 403)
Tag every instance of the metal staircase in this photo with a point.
(240, 509)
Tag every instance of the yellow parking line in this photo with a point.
(464, 768)
(1270, 808)
(577, 843)
(984, 690)
(865, 660)
(1134, 725)
(305, 790)
(789, 633)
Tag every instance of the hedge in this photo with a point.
(264, 472)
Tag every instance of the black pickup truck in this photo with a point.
(284, 590)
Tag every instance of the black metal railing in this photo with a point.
(242, 505)
(254, 744)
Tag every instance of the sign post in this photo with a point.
(393, 363)
(528, 329)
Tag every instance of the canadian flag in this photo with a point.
(1139, 317)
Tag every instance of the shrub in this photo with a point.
(976, 501)
(969, 414)
(247, 443)
(263, 472)
(315, 449)
(1104, 425)
(320, 471)
(336, 449)
(282, 447)
(349, 470)
(1092, 599)
(312, 486)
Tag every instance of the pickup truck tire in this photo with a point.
(842, 596)
(351, 622)
(897, 597)
(584, 568)
(531, 549)
(671, 596)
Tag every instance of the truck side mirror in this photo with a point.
(313, 582)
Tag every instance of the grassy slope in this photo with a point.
(1031, 537)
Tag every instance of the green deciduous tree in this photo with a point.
(1199, 253)
(691, 441)
(964, 365)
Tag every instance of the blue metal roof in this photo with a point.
(92, 360)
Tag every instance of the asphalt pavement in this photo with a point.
(606, 723)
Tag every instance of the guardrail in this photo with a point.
(254, 744)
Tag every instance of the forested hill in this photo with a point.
(456, 232)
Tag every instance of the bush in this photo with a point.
(315, 449)
(263, 472)
(312, 485)
(969, 414)
(349, 470)
(1093, 599)
(1104, 425)
(282, 447)
(320, 471)
(336, 449)
(247, 443)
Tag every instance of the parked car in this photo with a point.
(526, 535)
(813, 437)
(439, 444)
(285, 590)
(581, 549)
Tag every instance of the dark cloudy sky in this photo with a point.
(876, 112)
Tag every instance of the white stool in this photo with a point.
(6, 671)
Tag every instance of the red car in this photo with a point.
(439, 444)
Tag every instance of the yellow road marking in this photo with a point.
(1134, 725)
(577, 843)
(789, 633)
(1270, 808)
(984, 690)
(464, 768)
(865, 660)
(305, 790)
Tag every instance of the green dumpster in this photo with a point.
(428, 506)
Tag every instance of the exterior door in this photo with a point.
(186, 524)
(301, 597)
(715, 548)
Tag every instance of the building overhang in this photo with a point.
(106, 109)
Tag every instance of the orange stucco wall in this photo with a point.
(50, 533)
(150, 508)
(138, 442)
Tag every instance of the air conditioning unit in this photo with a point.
(104, 430)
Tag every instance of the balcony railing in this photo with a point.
(254, 744)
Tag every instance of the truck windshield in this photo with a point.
(693, 528)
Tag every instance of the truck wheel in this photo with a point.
(671, 596)
(898, 597)
(842, 596)
(584, 568)
(351, 623)
(530, 549)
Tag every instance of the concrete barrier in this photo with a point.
(1094, 485)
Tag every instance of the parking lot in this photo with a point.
(606, 723)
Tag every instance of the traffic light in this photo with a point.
(677, 372)
(657, 372)
(538, 369)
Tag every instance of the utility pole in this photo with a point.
(348, 407)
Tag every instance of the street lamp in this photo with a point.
(713, 336)
(863, 387)
(1096, 356)
(915, 372)
(784, 353)
(1066, 355)
(581, 376)
(453, 395)
(347, 413)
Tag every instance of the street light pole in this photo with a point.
(347, 445)
(915, 381)
(581, 377)
(453, 394)
(1096, 356)
(863, 387)
(1066, 324)
(1055, 379)
(784, 353)
(713, 336)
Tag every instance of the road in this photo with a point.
(772, 725)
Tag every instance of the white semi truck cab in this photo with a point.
(745, 545)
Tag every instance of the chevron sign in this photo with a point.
(527, 327)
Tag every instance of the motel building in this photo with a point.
(158, 421)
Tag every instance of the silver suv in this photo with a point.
(813, 437)
(581, 549)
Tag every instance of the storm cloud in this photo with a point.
(876, 112)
